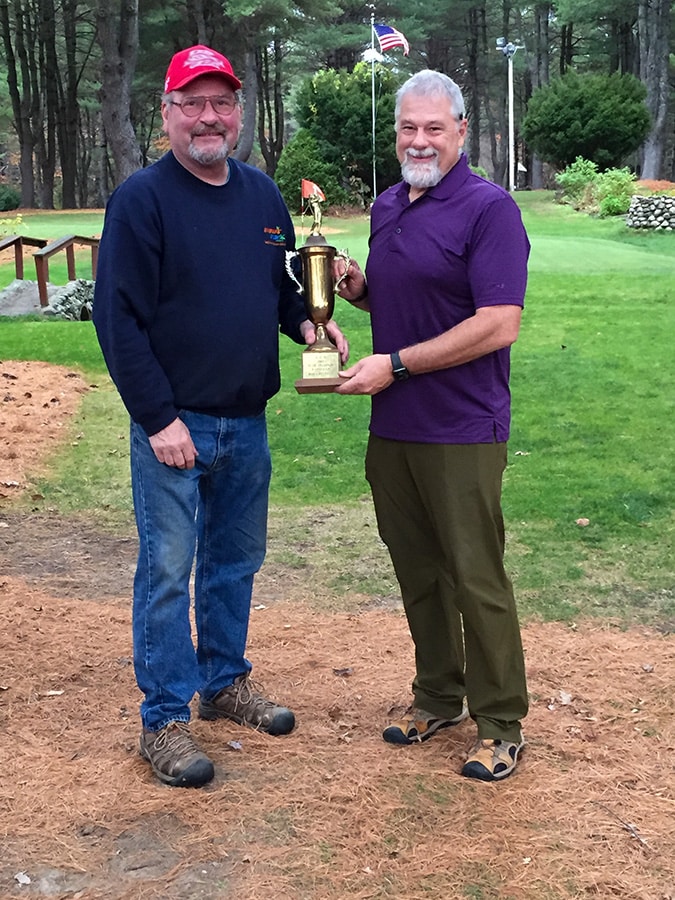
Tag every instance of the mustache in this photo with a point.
(208, 129)
(429, 153)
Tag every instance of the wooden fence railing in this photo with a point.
(18, 241)
(68, 244)
(47, 250)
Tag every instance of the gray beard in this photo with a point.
(208, 157)
(421, 176)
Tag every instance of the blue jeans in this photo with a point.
(218, 510)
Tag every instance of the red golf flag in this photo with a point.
(309, 188)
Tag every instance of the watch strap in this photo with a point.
(398, 369)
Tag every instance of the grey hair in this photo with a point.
(428, 83)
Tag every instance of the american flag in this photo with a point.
(389, 37)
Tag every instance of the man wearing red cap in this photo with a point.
(191, 294)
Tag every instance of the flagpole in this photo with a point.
(372, 97)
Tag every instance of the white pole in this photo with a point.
(512, 144)
(372, 98)
(509, 51)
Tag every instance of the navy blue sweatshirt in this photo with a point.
(191, 291)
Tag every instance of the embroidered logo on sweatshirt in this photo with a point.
(275, 236)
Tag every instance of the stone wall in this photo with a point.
(652, 212)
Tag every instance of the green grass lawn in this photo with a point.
(593, 394)
(53, 224)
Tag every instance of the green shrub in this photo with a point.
(336, 108)
(479, 170)
(613, 206)
(11, 225)
(300, 159)
(607, 193)
(614, 189)
(603, 118)
(577, 182)
(10, 198)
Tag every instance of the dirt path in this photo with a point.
(330, 811)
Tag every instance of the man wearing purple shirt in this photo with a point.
(446, 277)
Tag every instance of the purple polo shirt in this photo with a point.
(432, 263)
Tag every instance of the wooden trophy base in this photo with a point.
(317, 385)
(320, 367)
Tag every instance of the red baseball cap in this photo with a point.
(189, 64)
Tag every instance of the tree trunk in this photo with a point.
(49, 89)
(653, 36)
(499, 144)
(21, 98)
(622, 56)
(438, 53)
(68, 131)
(540, 71)
(245, 145)
(118, 38)
(102, 163)
(566, 47)
(197, 20)
(472, 87)
(270, 106)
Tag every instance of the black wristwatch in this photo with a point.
(399, 370)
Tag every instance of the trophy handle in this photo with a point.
(343, 254)
(290, 256)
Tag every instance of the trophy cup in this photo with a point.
(321, 361)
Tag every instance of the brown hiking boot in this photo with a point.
(175, 757)
(243, 703)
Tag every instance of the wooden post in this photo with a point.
(18, 259)
(42, 272)
(66, 243)
(70, 260)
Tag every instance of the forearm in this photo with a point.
(360, 301)
(491, 328)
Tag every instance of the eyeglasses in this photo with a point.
(222, 105)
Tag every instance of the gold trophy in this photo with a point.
(321, 361)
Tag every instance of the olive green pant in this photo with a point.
(438, 509)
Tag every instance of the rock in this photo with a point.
(651, 212)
